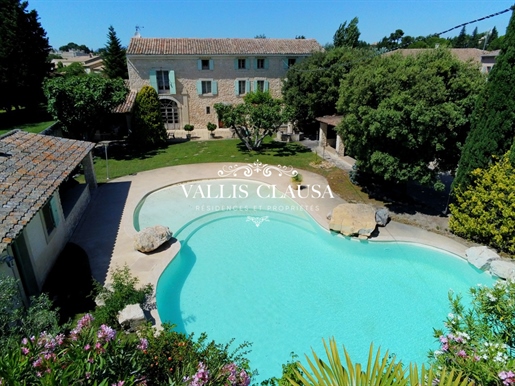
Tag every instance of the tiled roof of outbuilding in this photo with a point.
(128, 103)
(191, 46)
(32, 166)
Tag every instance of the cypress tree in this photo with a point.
(148, 130)
(493, 120)
(115, 62)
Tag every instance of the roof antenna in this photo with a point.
(137, 34)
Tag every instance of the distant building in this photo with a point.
(484, 59)
(90, 62)
(191, 75)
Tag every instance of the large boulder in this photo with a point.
(503, 268)
(131, 317)
(353, 219)
(151, 238)
(481, 257)
(382, 216)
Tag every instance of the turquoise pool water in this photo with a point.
(286, 283)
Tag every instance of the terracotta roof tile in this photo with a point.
(191, 46)
(332, 120)
(32, 166)
(127, 105)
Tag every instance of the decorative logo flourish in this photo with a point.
(257, 167)
(257, 220)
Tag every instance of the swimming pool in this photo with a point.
(272, 276)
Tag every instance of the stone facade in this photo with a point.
(217, 66)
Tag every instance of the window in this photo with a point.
(163, 82)
(207, 87)
(241, 86)
(261, 85)
(208, 110)
(291, 62)
(242, 64)
(205, 64)
(260, 64)
(50, 215)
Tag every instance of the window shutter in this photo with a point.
(199, 64)
(211, 64)
(265, 85)
(285, 63)
(214, 87)
(236, 88)
(153, 80)
(171, 80)
(255, 85)
(266, 64)
(199, 87)
(247, 86)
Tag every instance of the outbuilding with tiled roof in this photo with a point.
(40, 204)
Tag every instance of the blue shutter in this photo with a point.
(285, 63)
(153, 80)
(247, 86)
(266, 64)
(236, 91)
(211, 64)
(55, 210)
(199, 64)
(255, 85)
(265, 85)
(214, 87)
(171, 80)
(199, 87)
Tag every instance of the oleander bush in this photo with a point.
(479, 340)
(485, 211)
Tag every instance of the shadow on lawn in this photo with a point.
(276, 149)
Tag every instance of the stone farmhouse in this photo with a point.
(191, 75)
(40, 205)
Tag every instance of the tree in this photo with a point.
(492, 38)
(74, 69)
(311, 87)
(75, 47)
(258, 117)
(404, 118)
(347, 35)
(392, 42)
(462, 40)
(115, 62)
(82, 103)
(148, 130)
(24, 53)
(493, 119)
(260, 36)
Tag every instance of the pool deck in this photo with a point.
(106, 231)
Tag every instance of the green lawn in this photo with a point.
(30, 127)
(191, 152)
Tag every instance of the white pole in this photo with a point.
(107, 162)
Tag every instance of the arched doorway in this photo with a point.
(170, 114)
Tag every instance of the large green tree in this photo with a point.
(258, 117)
(115, 62)
(404, 118)
(311, 86)
(82, 103)
(148, 130)
(24, 51)
(493, 120)
(347, 35)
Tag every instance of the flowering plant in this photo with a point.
(480, 339)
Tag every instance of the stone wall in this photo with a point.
(193, 108)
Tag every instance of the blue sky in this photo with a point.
(87, 21)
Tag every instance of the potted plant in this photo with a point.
(189, 128)
(296, 180)
(211, 127)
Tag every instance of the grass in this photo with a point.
(32, 121)
(30, 127)
(229, 150)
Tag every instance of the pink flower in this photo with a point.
(143, 344)
(462, 354)
(507, 377)
(106, 333)
(24, 341)
(87, 347)
(24, 350)
(119, 383)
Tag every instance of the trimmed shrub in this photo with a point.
(485, 211)
(148, 130)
